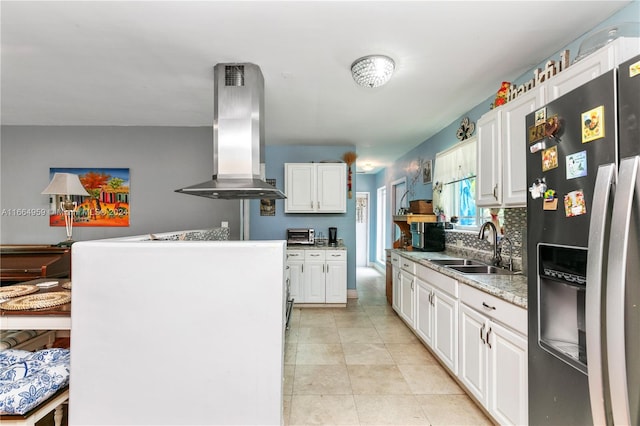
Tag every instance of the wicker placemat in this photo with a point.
(17, 290)
(37, 301)
(67, 285)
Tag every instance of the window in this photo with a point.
(455, 184)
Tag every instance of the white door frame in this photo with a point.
(395, 205)
(381, 223)
(366, 222)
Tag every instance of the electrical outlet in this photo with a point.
(459, 243)
(225, 224)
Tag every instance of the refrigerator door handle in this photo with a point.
(599, 228)
(625, 213)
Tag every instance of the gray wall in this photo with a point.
(160, 160)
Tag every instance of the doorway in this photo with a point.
(362, 229)
(398, 194)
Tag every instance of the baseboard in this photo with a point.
(352, 293)
(379, 268)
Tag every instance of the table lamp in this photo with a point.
(66, 184)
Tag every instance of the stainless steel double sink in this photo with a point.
(471, 266)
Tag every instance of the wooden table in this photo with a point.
(56, 318)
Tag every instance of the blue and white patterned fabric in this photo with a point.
(29, 378)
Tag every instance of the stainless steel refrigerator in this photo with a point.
(583, 220)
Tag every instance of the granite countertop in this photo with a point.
(511, 288)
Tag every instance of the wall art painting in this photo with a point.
(426, 171)
(268, 206)
(108, 203)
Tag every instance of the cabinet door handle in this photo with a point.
(318, 204)
(411, 285)
(312, 204)
(495, 189)
(327, 269)
(323, 269)
(314, 255)
(487, 306)
(433, 298)
(488, 333)
(302, 268)
(481, 335)
(287, 266)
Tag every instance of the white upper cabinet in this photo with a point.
(488, 172)
(592, 66)
(502, 133)
(502, 153)
(315, 188)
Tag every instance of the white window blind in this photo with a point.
(457, 162)
(453, 165)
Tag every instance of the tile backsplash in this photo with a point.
(515, 227)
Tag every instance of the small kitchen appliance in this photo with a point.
(302, 236)
(333, 236)
(427, 236)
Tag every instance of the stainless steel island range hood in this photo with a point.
(238, 136)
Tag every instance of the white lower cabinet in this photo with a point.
(437, 316)
(395, 289)
(317, 276)
(479, 337)
(295, 265)
(493, 358)
(407, 305)
(336, 276)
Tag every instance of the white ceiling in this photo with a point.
(151, 63)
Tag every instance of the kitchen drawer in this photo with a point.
(495, 308)
(295, 254)
(395, 259)
(314, 255)
(408, 265)
(336, 254)
(447, 284)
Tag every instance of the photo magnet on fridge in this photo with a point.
(550, 200)
(576, 165)
(593, 124)
(574, 204)
(550, 158)
(541, 116)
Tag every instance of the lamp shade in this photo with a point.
(65, 184)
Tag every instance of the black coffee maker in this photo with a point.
(333, 236)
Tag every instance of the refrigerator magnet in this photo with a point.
(550, 200)
(537, 147)
(576, 165)
(540, 116)
(593, 124)
(634, 69)
(549, 158)
(574, 204)
(538, 188)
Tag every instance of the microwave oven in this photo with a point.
(301, 236)
(427, 236)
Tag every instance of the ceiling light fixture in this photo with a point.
(372, 70)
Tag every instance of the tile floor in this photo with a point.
(361, 365)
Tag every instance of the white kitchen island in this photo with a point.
(177, 332)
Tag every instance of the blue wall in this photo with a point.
(274, 227)
(447, 136)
